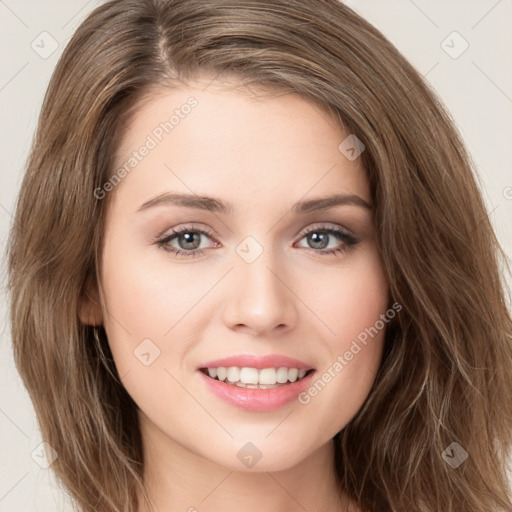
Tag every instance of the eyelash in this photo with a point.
(348, 241)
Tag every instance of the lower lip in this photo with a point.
(257, 400)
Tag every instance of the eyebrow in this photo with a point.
(213, 204)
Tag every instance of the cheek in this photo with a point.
(145, 300)
(152, 301)
(354, 347)
(359, 326)
(146, 289)
(349, 298)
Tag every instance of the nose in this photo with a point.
(261, 299)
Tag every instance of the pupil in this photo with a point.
(189, 239)
(318, 240)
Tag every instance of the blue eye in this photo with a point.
(319, 235)
(187, 237)
(189, 241)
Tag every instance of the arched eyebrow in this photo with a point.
(217, 205)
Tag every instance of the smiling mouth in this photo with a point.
(255, 378)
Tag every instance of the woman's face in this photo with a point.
(260, 278)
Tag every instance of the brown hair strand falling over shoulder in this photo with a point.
(445, 375)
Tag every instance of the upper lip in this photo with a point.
(253, 361)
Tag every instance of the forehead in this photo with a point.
(225, 141)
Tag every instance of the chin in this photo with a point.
(260, 456)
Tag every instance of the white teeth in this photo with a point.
(268, 376)
(254, 378)
(257, 386)
(282, 375)
(249, 375)
(233, 374)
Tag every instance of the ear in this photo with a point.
(89, 309)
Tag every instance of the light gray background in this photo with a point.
(476, 86)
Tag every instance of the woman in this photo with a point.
(253, 262)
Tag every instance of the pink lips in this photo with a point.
(257, 400)
(269, 361)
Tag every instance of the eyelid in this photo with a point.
(325, 225)
(186, 227)
(346, 237)
(304, 231)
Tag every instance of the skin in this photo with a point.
(262, 154)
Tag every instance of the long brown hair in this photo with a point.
(445, 375)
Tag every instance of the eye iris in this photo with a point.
(318, 238)
(188, 238)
